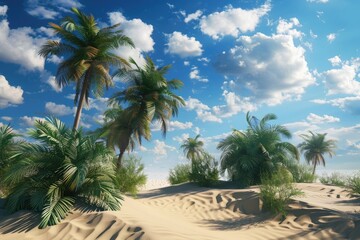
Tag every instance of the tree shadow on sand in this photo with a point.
(21, 221)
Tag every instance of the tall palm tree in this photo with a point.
(315, 146)
(123, 129)
(87, 55)
(149, 93)
(193, 148)
(148, 97)
(258, 150)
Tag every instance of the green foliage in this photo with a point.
(204, 171)
(315, 146)
(193, 148)
(8, 148)
(258, 150)
(354, 184)
(277, 190)
(130, 177)
(335, 179)
(180, 174)
(301, 173)
(62, 167)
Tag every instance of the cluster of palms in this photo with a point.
(65, 167)
(258, 151)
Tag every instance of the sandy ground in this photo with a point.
(189, 212)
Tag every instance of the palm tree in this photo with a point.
(87, 55)
(315, 146)
(258, 150)
(148, 98)
(193, 148)
(61, 168)
(123, 129)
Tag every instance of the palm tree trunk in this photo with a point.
(119, 161)
(80, 104)
(314, 169)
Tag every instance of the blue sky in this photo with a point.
(298, 59)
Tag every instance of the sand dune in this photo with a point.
(189, 212)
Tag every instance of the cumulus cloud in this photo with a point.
(20, 46)
(50, 9)
(335, 61)
(6, 118)
(180, 139)
(172, 126)
(51, 81)
(202, 111)
(193, 16)
(3, 10)
(287, 27)
(182, 45)
(316, 119)
(58, 109)
(30, 121)
(161, 148)
(232, 21)
(349, 104)
(342, 80)
(194, 74)
(9, 95)
(42, 12)
(331, 37)
(258, 62)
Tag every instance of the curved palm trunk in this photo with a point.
(123, 146)
(313, 173)
(81, 103)
(119, 161)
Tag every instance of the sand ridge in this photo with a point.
(186, 211)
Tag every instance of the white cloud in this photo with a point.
(202, 111)
(232, 21)
(258, 64)
(138, 31)
(53, 84)
(20, 47)
(47, 31)
(287, 27)
(171, 6)
(234, 105)
(42, 12)
(335, 61)
(350, 104)
(342, 80)
(316, 119)
(194, 74)
(183, 45)
(58, 109)
(9, 95)
(193, 16)
(197, 130)
(54, 59)
(186, 63)
(318, 1)
(331, 37)
(6, 118)
(3, 10)
(161, 148)
(180, 139)
(172, 126)
(312, 34)
(30, 121)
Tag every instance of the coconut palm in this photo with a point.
(258, 150)
(315, 146)
(148, 98)
(123, 129)
(86, 50)
(62, 169)
(193, 148)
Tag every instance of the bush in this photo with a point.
(130, 177)
(335, 178)
(204, 171)
(62, 167)
(354, 184)
(276, 191)
(180, 174)
(301, 173)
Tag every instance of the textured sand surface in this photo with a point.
(190, 212)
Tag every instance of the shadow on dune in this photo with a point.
(21, 221)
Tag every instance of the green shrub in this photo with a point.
(335, 179)
(204, 171)
(301, 173)
(62, 167)
(180, 174)
(130, 177)
(276, 191)
(354, 184)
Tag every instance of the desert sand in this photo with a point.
(186, 211)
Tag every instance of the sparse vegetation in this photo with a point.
(335, 179)
(354, 184)
(180, 174)
(204, 170)
(131, 177)
(301, 173)
(277, 190)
